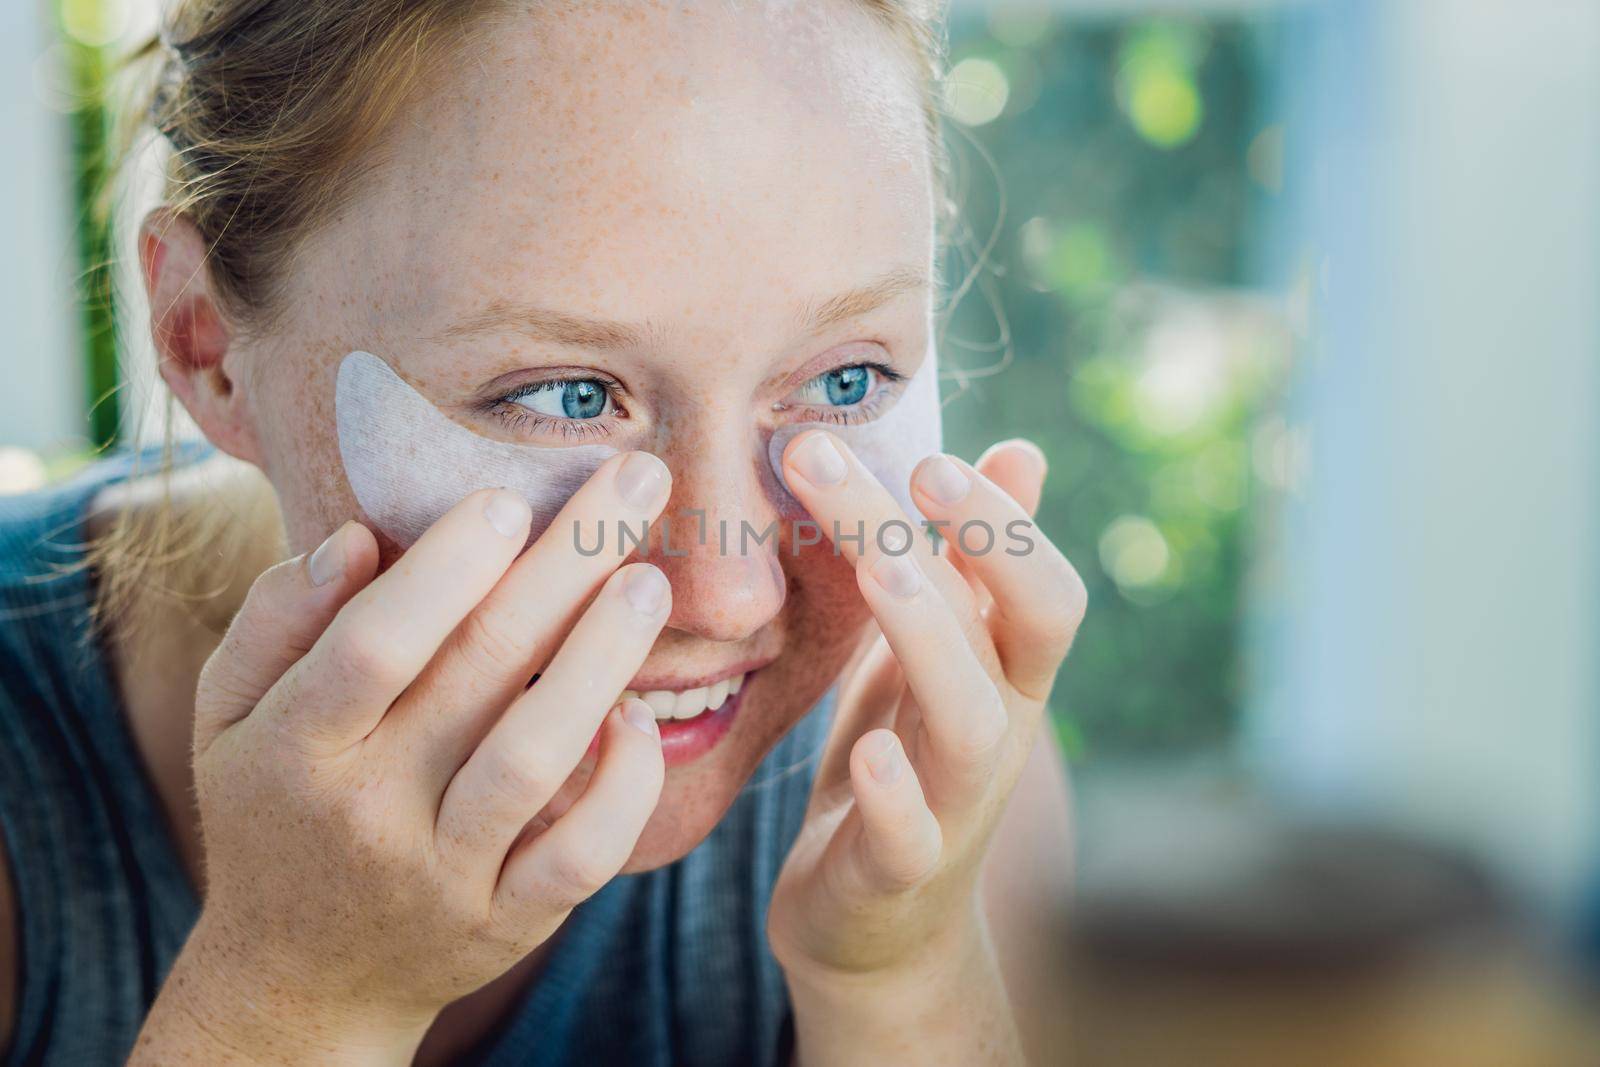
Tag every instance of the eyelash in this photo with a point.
(522, 420)
(868, 408)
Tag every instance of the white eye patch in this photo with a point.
(890, 446)
(408, 463)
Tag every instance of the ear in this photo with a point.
(191, 333)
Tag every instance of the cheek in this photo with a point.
(824, 611)
(293, 410)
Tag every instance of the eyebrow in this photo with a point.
(859, 301)
(544, 324)
(577, 330)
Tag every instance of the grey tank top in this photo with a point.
(670, 966)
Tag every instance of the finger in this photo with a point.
(1018, 467)
(383, 638)
(1040, 599)
(863, 520)
(963, 713)
(513, 633)
(286, 610)
(535, 745)
(902, 841)
(874, 688)
(586, 847)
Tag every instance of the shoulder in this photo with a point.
(52, 694)
(44, 607)
(45, 533)
(44, 592)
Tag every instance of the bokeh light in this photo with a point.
(21, 471)
(1185, 377)
(1134, 552)
(1074, 258)
(1156, 84)
(1164, 106)
(976, 91)
(95, 23)
(1021, 27)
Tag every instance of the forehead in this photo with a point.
(646, 160)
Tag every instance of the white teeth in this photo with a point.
(661, 702)
(689, 703)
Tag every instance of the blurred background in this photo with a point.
(1300, 300)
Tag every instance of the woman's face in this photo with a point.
(667, 227)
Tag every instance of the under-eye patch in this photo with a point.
(889, 446)
(408, 463)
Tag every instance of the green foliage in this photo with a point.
(88, 69)
(1124, 150)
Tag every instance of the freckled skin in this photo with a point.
(705, 170)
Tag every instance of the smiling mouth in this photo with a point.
(672, 705)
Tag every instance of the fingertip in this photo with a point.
(347, 558)
(628, 718)
(1017, 450)
(642, 480)
(639, 716)
(630, 722)
(798, 441)
(508, 514)
(1018, 467)
(897, 576)
(818, 458)
(360, 551)
(646, 589)
(882, 757)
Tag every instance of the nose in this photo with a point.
(717, 541)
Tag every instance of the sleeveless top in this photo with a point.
(666, 966)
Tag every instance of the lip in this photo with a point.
(677, 684)
(686, 740)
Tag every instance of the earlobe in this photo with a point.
(191, 331)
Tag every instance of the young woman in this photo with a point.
(349, 830)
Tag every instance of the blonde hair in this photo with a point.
(272, 110)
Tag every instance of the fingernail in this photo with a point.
(1034, 453)
(894, 538)
(646, 589)
(507, 513)
(640, 480)
(819, 462)
(327, 562)
(885, 764)
(944, 481)
(640, 717)
(898, 575)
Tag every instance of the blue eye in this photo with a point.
(840, 387)
(577, 398)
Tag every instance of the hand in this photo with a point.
(934, 723)
(368, 757)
